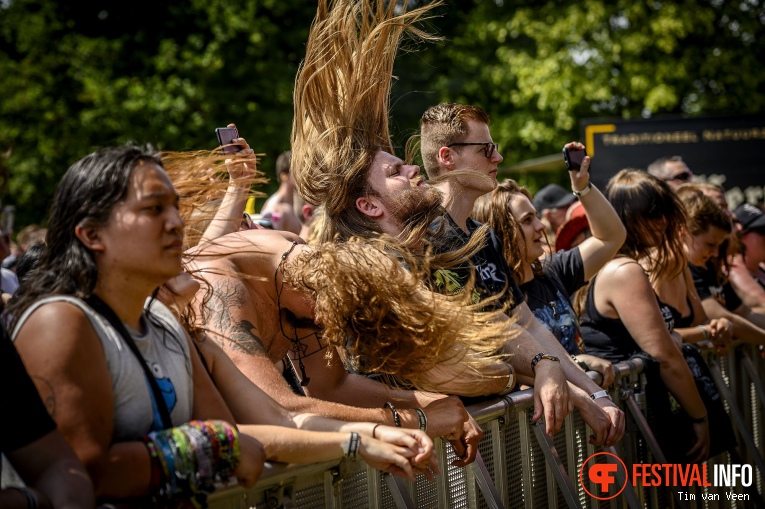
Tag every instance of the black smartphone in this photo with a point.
(225, 136)
(574, 158)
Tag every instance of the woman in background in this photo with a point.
(622, 316)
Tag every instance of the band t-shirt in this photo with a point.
(707, 285)
(492, 274)
(548, 297)
(24, 417)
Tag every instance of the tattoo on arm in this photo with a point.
(229, 293)
(45, 389)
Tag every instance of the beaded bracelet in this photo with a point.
(538, 357)
(396, 418)
(422, 418)
(191, 461)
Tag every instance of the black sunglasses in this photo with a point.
(488, 147)
(683, 176)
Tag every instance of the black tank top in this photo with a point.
(609, 339)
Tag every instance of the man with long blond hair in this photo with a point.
(343, 159)
(269, 300)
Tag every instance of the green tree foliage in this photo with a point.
(540, 67)
(80, 75)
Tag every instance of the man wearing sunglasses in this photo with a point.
(671, 170)
(461, 159)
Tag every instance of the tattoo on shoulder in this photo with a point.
(45, 389)
(243, 339)
(228, 294)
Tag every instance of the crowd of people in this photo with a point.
(164, 343)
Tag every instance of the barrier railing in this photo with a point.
(520, 467)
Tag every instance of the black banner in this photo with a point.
(729, 151)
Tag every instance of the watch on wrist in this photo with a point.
(584, 191)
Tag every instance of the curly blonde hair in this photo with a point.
(403, 330)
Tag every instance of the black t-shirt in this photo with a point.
(549, 297)
(492, 275)
(707, 285)
(23, 417)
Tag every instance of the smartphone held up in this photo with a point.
(574, 158)
(225, 136)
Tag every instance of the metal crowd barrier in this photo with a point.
(520, 467)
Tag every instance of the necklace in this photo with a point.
(547, 300)
(297, 346)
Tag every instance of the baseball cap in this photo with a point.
(575, 224)
(750, 217)
(552, 196)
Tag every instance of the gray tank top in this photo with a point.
(164, 347)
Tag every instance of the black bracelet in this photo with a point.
(538, 357)
(700, 419)
(422, 418)
(396, 418)
(579, 363)
(353, 446)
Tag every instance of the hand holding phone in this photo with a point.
(225, 136)
(574, 158)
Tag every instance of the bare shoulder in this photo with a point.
(246, 249)
(57, 324)
(623, 270)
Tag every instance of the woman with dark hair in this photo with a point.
(623, 317)
(549, 284)
(705, 237)
(119, 379)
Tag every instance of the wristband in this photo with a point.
(600, 394)
(510, 382)
(704, 329)
(351, 447)
(700, 419)
(422, 418)
(396, 418)
(584, 191)
(538, 357)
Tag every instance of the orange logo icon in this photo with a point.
(603, 475)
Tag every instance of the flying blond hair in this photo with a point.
(383, 319)
(342, 101)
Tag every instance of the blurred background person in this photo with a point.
(279, 206)
(551, 203)
(671, 170)
(747, 267)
